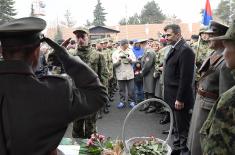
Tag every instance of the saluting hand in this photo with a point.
(66, 42)
(59, 50)
(179, 105)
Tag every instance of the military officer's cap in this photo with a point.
(230, 34)
(81, 29)
(23, 31)
(217, 28)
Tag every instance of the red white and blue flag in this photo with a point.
(207, 14)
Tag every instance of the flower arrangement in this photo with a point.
(99, 145)
(148, 147)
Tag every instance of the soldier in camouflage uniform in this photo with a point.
(83, 128)
(159, 73)
(108, 57)
(218, 131)
(201, 49)
(100, 49)
(113, 81)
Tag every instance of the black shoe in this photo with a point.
(151, 109)
(165, 120)
(106, 110)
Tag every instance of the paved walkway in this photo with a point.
(140, 124)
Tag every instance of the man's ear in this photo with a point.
(35, 57)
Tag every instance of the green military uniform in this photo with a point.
(72, 52)
(157, 73)
(97, 62)
(215, 79)
(202, 51)
(218, 131)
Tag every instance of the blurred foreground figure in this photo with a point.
(35, 113)
(218, 131)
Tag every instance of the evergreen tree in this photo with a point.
(223, 11)
(7, 10)
(88, 23)
(99, 15)
(135, 19)
(123, 21)
(151, 13)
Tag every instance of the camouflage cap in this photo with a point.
(230, 34)
(105, 40)
(81, 29)
(93, 42)
(217, 28)
(203, 30)
(98, 41)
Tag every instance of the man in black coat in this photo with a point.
(35, 113)
(178, 83)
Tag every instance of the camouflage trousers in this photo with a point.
(112, 85)
(83, 128)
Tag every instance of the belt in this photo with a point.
(207, 94)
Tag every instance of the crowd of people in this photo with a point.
(194, 77)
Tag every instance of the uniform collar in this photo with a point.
(15, 67)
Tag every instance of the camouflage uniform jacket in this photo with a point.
(218, 131)
(108, 59)
(96, 61)
(202, 52)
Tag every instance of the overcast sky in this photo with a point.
(187, 10)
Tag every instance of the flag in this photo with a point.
(207, 14)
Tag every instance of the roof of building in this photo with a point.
(130, 31)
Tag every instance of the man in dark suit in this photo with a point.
(35, 113)
(178, 83)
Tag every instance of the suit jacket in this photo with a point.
(35, 113)
(178, 75)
